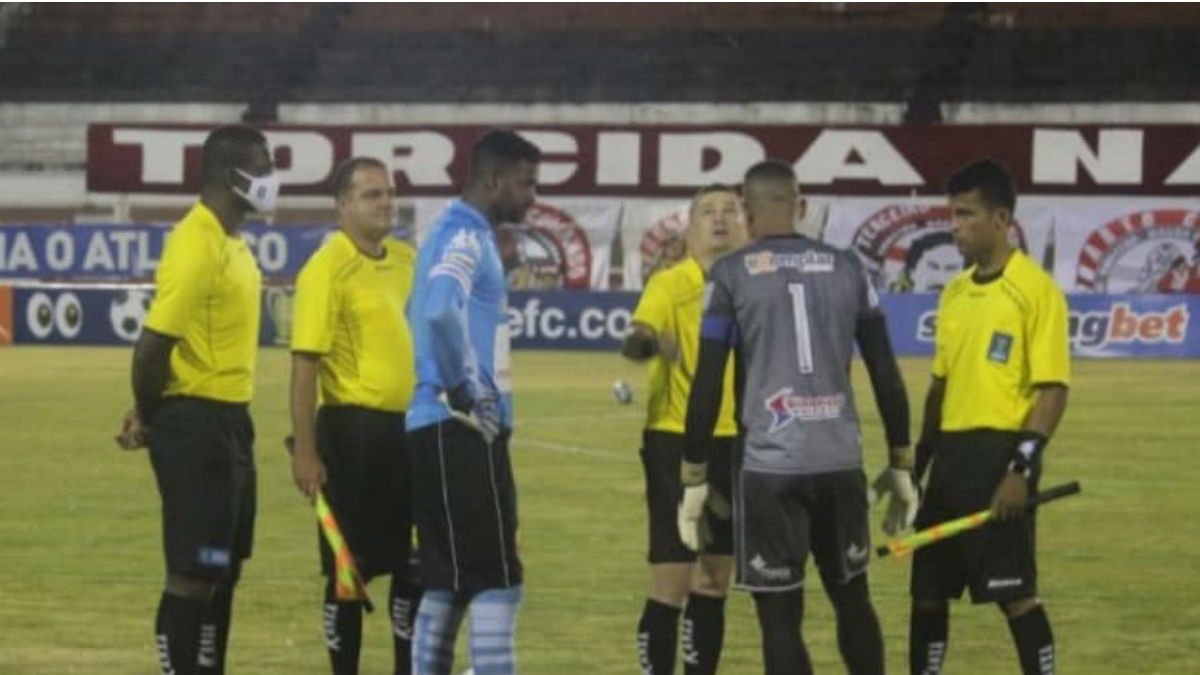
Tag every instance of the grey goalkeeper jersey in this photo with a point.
(794, 304)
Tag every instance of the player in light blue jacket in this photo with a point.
(461, 416)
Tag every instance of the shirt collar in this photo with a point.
(693, 267)
(205, 215)
(342, 239)
(474, 216)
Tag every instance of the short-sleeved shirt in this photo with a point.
(996, 341)
(349, 309)
(793, 306)
(208, 294)
(670, 306)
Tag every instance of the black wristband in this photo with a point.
(1029, 446)
(1026, 452)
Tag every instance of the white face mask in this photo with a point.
(262, 191)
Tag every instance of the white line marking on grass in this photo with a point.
(533, 419)
(568, 449)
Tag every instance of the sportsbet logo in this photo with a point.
(1122, 325)
(1116, 325)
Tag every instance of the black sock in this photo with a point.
(1035, 642)
(177, 633)
(214, 632)
(860, 639)
(403, 601)
(779, 619)
(343, 632)
(703, 634)
(928, 637)
(657, 637)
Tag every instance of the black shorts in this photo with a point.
(662, 455)
(465, 508)
(367, 486)
(779, 518)
(203, 459)
(996, 562)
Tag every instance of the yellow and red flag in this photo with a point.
(348, 582)
(902, 546)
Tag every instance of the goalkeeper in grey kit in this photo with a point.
(791, 309)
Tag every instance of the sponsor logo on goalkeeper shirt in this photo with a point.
(767, 262)
(786, 407)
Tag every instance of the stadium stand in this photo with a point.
(508, 52)
(64, 65)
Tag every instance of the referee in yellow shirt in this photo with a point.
(350, 335)
(193, 376)
(1000, 375)
(666, 332)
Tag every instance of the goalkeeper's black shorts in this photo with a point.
(203, 459)
(367, 486)
(995, 562)
(662, 455)
(780, 519)
(465, 509)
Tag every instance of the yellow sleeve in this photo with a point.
(1049, 345)
(183, 281)
(313, 309)
(940, 367)
(654, 308)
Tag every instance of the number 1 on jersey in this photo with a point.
(804, 357)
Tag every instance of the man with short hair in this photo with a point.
(465, 501)
(793, 309)
(349, 333)
(666, 334)
(1001, 368)
(193, 378)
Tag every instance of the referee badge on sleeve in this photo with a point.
(1000, 347)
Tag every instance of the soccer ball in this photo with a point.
(622, 393)
(127, 312)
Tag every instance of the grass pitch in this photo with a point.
(81, 571)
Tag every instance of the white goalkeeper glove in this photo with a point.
(691, 520)
(902, 507)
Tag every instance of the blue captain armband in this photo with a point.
(718, 328)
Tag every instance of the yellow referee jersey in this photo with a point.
(670, 305)
(349, 309)
(995, 341)
(208, 290)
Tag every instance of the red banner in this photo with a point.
(626, 160)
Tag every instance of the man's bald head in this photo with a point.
(772, 197)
